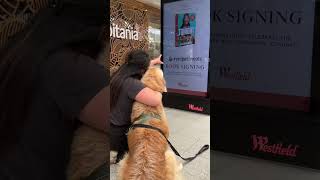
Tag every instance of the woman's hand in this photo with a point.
(156, 61)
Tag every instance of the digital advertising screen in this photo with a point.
(186, 39)
(263, 52)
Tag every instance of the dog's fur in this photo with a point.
(89, 150)
(149, 157)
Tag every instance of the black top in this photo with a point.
(121, 113)
(67, 82)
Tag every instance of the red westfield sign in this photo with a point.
(262, 144)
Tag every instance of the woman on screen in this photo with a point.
(186, 21)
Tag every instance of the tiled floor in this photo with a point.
(188, 133)
(232, 167)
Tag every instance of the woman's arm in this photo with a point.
(96, 112)
(149, 97)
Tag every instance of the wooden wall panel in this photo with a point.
(15, 14)
(126, 13)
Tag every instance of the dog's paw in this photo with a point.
(180, 166)
(113, 157)
(113, 160)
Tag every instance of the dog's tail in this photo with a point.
(146, 161)
(173, 166)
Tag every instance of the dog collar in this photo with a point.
(143, 118)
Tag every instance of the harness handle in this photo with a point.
(203, 149)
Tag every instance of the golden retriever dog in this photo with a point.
(89, 150)
(149, 157)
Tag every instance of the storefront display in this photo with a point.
(264, 86)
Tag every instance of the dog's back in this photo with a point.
(148, 157)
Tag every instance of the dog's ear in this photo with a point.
(165, 87)
(154, 79)
(162, 81)
(164, 84)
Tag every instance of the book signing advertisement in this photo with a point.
(186, 51)
(262, 79)
(251, 39)
(186, 39)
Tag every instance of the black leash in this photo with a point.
(203, 149)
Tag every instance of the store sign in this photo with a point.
(128, 31)
(123, 33)
(192, 107)
(186, 38)
(257, 16)
(262, 52)
(262, 144)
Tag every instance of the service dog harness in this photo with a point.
(141, 121)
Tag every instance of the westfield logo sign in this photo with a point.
(195, 108)
(262, 144)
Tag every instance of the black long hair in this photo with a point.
(184, 16)
(21, 60)
(136, 64)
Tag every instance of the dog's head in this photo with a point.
(154, 79)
